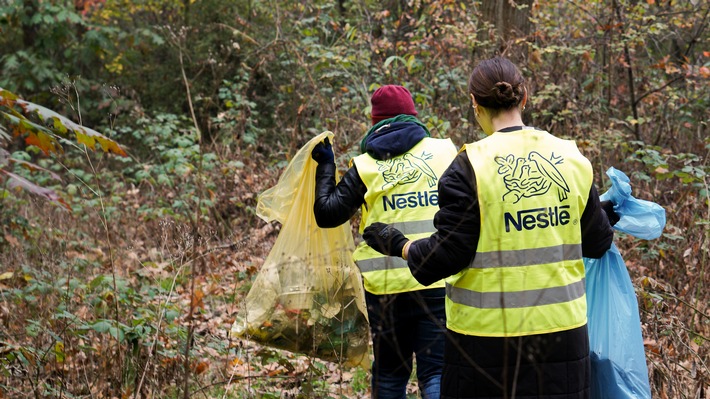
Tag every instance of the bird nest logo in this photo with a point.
(406, 169)
(526, 177)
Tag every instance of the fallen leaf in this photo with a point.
(14, 242)
(200, 367)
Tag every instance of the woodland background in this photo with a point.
(128, 246)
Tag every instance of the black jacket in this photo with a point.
(336, 204)
(542, 366)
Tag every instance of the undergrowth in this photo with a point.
(131, 293)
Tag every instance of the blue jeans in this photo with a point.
(406, 326)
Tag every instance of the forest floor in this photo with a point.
(138, 306)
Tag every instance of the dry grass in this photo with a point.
(71, 273)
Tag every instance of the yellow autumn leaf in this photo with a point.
(59, 351)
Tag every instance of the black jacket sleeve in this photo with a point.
(597, 234)
(336, 204)
(457, 223)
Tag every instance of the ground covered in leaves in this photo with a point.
(123, 300)
(130, 304)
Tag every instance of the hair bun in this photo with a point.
(507, 94)
(504, 88)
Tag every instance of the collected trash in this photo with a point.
(307, 297)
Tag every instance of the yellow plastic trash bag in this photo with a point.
(307, 297)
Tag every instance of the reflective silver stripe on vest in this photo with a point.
(391, 262)
(416, 227)
(527, 257)
(379, 264)
(519, 299)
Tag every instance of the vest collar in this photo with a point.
(515, 128)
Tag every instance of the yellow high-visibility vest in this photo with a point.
(527, 276)
(401, 191)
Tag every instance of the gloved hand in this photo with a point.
(384, 239)
(608, 207)
(323, 152)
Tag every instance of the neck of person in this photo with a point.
(506, 119)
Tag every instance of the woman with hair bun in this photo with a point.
(518, 211)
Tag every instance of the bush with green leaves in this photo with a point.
(211, 99)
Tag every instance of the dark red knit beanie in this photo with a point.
(389, 101)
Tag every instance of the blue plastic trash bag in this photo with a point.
(639, 218)
(618, 359)
(615, 342)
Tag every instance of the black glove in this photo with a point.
(384, 239)
(608, 207)
(323, 152)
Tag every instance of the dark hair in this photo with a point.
(497, 84)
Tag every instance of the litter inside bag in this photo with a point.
(307, 297)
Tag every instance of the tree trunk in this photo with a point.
(507, 20)
(29, 30)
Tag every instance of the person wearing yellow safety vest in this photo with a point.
(518, 211)
(393, 181)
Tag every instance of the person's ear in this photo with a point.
(525, 97)
(473, 104)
